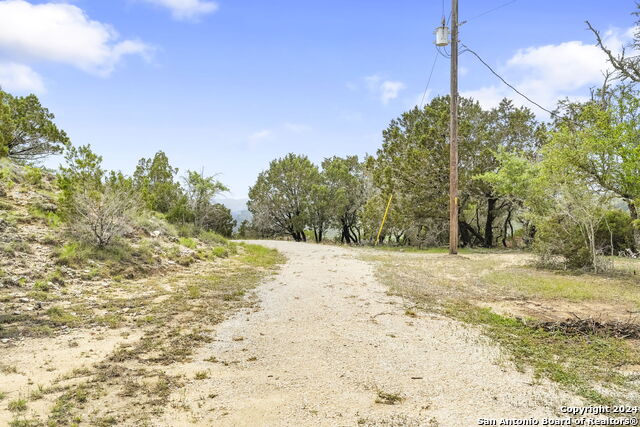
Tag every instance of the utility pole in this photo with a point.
(453, 136)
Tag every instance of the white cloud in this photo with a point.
(551, 72)
(296, 127)
(187, 9)
(20, 78)
(261, 135)
(62, 33)
(386, 90)
(390, 90)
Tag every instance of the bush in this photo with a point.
(211, 237)
(33, 175)
(615, 233)
(558, 246)
(188, 242)
(99, 218)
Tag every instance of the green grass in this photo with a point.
(188, 242)
(213, 238)
(551, 285)
(576, 362)
(17, 405)
(220, 252)
(593, 366)
(61, 317)
(259, 256)
(431, 250)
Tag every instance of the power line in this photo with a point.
(491, 10)
(507, 83)
(433, 66)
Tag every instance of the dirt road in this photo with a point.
(328, 346)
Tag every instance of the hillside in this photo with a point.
(99, 331)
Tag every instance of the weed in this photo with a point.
(259, 256)
(17, 405)
(59, 316)
(188, 242)
(201, 375)
(24, 422)
(38, 393)
(220, 252)
(388, 398)
(194, 291)
(33, 175)
(8, 369)
(41, 286)
(213, 238)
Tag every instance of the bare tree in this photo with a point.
(628, 67)
(100, 217)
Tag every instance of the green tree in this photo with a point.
(600, 141)
(200, 191)
(345, 182)
(155, 181)
(27, 130)
(82, 172)
(413, 163)
(220, 220)
(280, 199)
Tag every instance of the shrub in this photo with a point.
(33, 175)
(69, 255)
(99, 218)
(558, 245)
(615, 233)
(220, 252)
(188, 242)
(211, 237)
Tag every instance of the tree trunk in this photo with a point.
(465, 237)
(505, 229)
(488, 225)
(470, 233)
(346, 235)
(633, 212)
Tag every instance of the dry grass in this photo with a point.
(176, 314)
(508, 298)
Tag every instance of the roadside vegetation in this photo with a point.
(109, 284)
(578, 329)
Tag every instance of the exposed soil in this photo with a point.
(329, 346)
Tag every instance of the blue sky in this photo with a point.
(229, 85)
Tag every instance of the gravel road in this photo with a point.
(327, 346)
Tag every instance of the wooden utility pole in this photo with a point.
(453, 136)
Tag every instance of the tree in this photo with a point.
(97, 207)
(320, 208)
(27, 130)
(344, 178)
(601, 143)
(155, 180)
(561, 208)
(413, 164)
(220, 220)
(200, 191)
(83, 171)
(628, 67)
(281, 197)
(505, 129)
